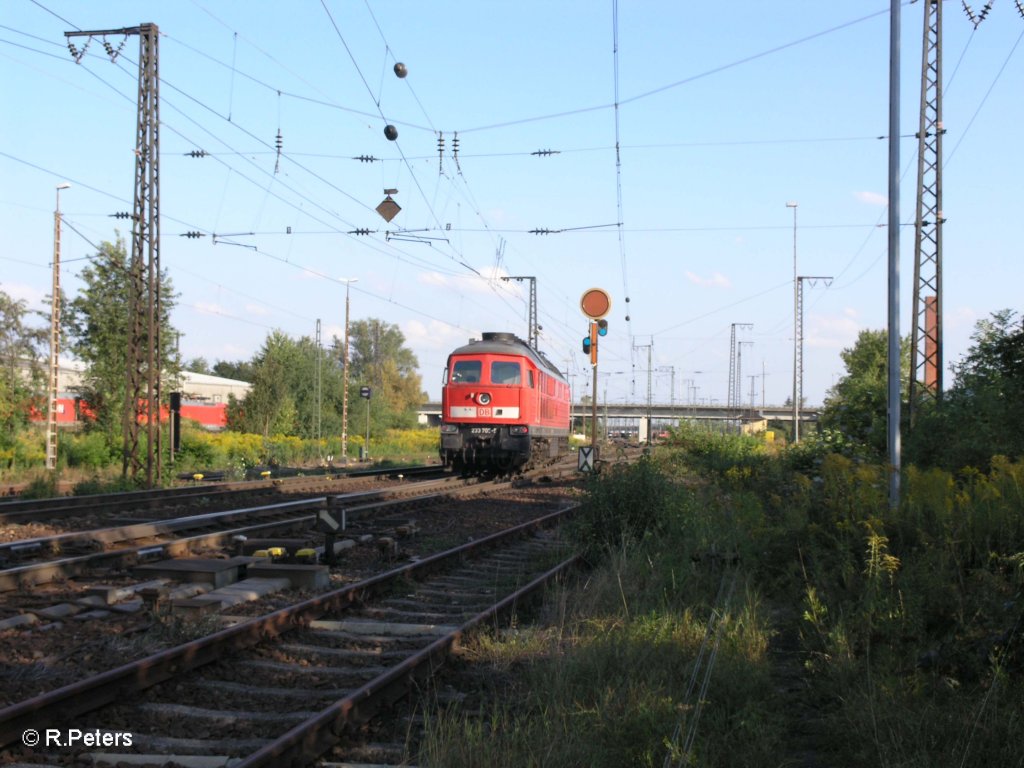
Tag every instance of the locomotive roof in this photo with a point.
(507, 344)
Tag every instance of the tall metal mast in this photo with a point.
(733, 395)
(534, 329)
(926, 323)
(798, 395)
(54, 373)
(144, 353)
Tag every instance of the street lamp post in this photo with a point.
(344, 376)
(51, 413)
(796, 352)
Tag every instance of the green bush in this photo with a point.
(27, 449)
(44, 487)
(89, 450)
(96, 485)
(622, 505)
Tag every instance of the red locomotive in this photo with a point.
(503, 406)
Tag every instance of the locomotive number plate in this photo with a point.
(482, 430)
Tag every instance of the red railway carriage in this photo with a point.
(503, 405)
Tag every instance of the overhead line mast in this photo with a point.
(144, 348)
(926, 323)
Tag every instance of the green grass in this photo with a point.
(909, 623)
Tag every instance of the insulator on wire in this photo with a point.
(278, 143)
(110, 49)
(121, 215)
(366, 159)
(976, 19)
(360, 231)
(196, 153)
(455, 151)
(546, 152)
(77, 54)
(192, 234)
(440, 153)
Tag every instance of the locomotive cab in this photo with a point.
(497, 392)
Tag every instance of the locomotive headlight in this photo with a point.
(449, 429)
(483, 398)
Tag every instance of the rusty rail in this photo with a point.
(62, 704)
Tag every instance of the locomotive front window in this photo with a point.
(467, 371)
(505, 373)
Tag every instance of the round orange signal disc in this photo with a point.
(596, 303)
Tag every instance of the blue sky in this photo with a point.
(725, 113)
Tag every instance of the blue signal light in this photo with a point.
(602, 327)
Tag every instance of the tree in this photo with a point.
(379, 359)
(22, 378)
(241, 370)
(283, 396)
(197, 365)
(980, 415)
(97, 322)
(858, 403)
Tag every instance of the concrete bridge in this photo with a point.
(646, 418)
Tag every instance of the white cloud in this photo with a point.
(717, 280)
(872, 198)
(831, 331)
(433, 278)
(233, 352)
(32, 296)
(489, 276)
(960, 318)
(432, 334)
(209, 308)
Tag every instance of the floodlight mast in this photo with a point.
(534, 329)
(51, 413)
(344, 376)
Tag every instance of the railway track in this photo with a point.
(25, 563)
(21, 512)
(286, 687)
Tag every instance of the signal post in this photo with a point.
(595, 304)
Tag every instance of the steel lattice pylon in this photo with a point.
(926, 327)
(732, 368)
(533, 331)
(145, 342)
(144, 356)
(733, 396)
(799, 356)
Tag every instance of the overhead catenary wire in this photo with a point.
(435, 199)
(618, 173)
(707, 655)
(256, 166)
(464, 184)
